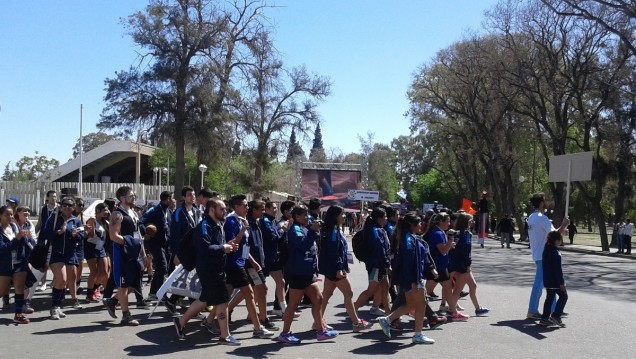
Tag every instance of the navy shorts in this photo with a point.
(18, 268)
(67, 259)
(299, 282)
(237, 277)
(213, 289)
(443, 275)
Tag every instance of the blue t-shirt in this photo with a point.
(232, 227)
(434, 238)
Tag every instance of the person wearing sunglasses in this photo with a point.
(64, 232)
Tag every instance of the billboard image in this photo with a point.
(331, 186)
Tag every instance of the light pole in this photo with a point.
(155, 170)
(202, 168)
(165, 171)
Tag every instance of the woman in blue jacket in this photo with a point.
(409, 275)
(63, 232)
(301, 271)
(333, 264)
(461, 264)
(13, 261)
(378, 264)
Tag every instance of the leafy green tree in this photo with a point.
(30, 168)
(92, 141)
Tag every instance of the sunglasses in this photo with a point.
(67, 205)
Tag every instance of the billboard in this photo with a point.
(331, 186)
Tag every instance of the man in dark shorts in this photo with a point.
(211, 249)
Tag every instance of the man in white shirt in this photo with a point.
(539, 225)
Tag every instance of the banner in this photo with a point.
(179, 282)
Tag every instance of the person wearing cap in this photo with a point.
(64, 232)
(13, 202)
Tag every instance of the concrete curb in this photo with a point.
(574, 248)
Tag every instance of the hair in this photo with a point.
(553, 237)
(165, 195)
(122, 191)
(110, 202)
(462, 221)
(212, 203)
(372, 221)
(403, 227)
(5, 208)
(331, 218)
(269, 204)
(237, 200)
(536, 199)
(185, 190)
(100, 207)
(287, 206)
(206, 192)
(22, 209)
(78, 201)
(49, 193)
(254, 205)
(314, 203)
(390, 211)
(68, 199)
(299, 210)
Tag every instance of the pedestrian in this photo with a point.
(553, 281)
(96, 258)
(45, 212)
(483, 218)
(506, 230)
(301, 271)
(211, 252)
(572, 231)
(627, 235)
(409, 271)
(64, 232)
(539, 225)
(15, 246)
(620, 237)
(333, 263)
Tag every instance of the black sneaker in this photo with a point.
(178, 328)
(268, 325)
(432, 295)
(142, 305)
(170, 307)
(462, 294)
(110, 306)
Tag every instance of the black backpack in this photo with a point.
(361, 248)
(187, 253)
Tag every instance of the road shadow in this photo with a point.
(528, 327)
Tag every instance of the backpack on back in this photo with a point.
(360, 245)
(187, 254)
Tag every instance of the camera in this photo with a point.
(451, 232)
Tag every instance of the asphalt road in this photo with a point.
(601, 291)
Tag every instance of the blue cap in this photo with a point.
(14, 200)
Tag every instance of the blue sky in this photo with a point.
(55, 55)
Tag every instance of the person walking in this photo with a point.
(553, 281)
(572, 231)
(627, 235)
(539, 225)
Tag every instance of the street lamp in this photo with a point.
(155, 170)
(202, 168)
(165, 171)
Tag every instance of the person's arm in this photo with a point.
(564, 226)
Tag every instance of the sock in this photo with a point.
(19, 303)
(283, 306)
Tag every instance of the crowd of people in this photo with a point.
(237, 244)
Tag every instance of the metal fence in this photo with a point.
(33, 194)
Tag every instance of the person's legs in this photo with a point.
(59, 286)
(279, 296)
(194, 309)
(472, 288)
(560, 306)
(366, 294)
(547, 305)
(295, 296)
(415, 299)
(460, 281)
(92, 277)
(248, 295)
(537, 289)
(619, 243)
(19, 280)
(313, 292)
(260, 292)
(160, 264)
(71, 277)
(345, 288)
(628, 244)
(328, 288)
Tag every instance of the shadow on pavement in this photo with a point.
(528, 327)
(96, 327)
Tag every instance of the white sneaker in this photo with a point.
(54, 314)
(60, 313)
(262, 333)
(41, 288)
(375, 311)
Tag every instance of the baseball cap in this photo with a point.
(14, 200)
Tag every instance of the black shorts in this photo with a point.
(443, 275)
(213, 290)
(255, 278)
(237, 277)
(299, 282)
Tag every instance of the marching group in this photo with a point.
(234, 246)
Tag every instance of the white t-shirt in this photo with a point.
(629, 229)
(539, 226)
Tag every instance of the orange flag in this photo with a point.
(467, 207)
